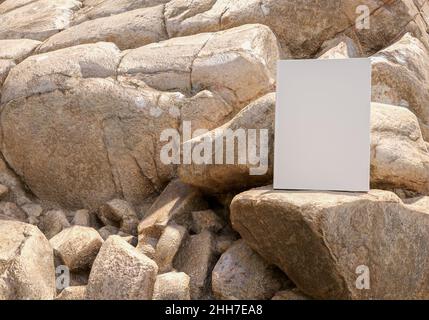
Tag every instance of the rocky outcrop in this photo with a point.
(121, 272)
(77, 247)
(26, 263)
(241, 274)
(325, 241)
(399, 156)
(401, 77)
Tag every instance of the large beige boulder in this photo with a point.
(223, 177)
(37, 20)
(127, 30)
(77, 247)
(339, 245)
(196, 258)
(26, 263)
(48, 72)
(172, 286)
(239, 64)
(106, 130)
(400, 77)
(98, 8)
(17, 49)
(301, 26)
(399, 156)
(241, 274)
(5, 67)
(121, 272)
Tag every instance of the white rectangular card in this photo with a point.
(322, 139)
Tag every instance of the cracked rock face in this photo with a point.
(399, 155)
(26, 263)
(320, 239)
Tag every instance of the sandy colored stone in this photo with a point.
(241, 274)
(121, 214)
(53, 222)
(108, 231)
(292, 295)
(127, 30)
(121, 272)
(321, 240)
(72, 293)
(77, 247)
(58, 70)
(106, 8)
(26, 263)
(175, 204)
(5, 67)
(37, 20)
(82, 218)
(197, 258)
(400, 77)
(218, 178)
(106, 130)
(399, 156)
(339, 48)
(17, 49)
(172, 286)
(238, 64)
(10, 211)
(206, 220)
(168, 246)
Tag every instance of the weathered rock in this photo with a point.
(241, 274)
(107, 130)
(108, 231)
(82, 218)
(324, 241)
(224, 242)
(77, 247)
(175, 204)
(53, 222)
(301, 26)
(400, 77)
(4, 191)
(33, 211)
(197, 258)
(37, 20)
(17, 192)
(121, 272)
(339, 48)
(17, 49)
(206, 220)
(399, 157)
(206, 110)
(127, 30)
(168, 245)
(120, 214)
(113, 7)
(293, 294)
(72, 293)
(10, 211)
(5, 67)
(26, 263)
(58, 70)
(238, 64)
(172, 286)
(219, 177)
